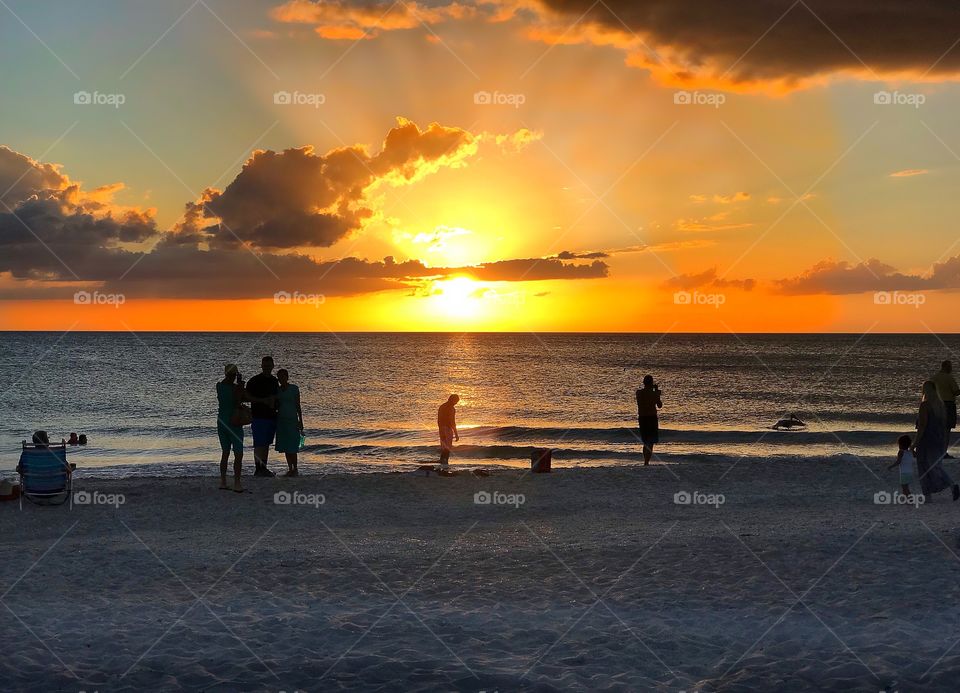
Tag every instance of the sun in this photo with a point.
(458, 298)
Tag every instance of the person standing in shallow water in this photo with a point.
(289, 421)
(447, 423)
(648, 402)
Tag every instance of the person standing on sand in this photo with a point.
(447, 423)
(289, 421)
(948, 391)
(230, 393)
(262, 391)
(648, 402)
(930, 444)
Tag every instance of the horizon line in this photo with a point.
(491, 332)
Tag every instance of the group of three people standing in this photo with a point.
(274, 414)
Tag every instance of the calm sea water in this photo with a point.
(148, 405)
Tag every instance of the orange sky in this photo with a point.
(522, 171)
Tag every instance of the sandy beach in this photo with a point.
(582, 579)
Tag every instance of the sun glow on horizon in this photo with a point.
(460, 298)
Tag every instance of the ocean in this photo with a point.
(147, 400)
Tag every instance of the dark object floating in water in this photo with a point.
(791, 422)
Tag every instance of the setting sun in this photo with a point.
(458, 298)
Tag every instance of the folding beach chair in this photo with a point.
(45, 477)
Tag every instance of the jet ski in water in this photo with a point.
(790, 423)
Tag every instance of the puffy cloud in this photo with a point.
(841, 277)
(298, 198)
(22, 177)
(50, 228)
(56, 236)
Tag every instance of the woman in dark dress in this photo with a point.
(648, 402)
(931, 444)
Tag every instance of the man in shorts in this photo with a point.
(447, 423)
(262, 390)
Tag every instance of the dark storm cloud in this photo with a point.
(781, 39)
(714, 42)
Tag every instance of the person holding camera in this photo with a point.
(648, 402)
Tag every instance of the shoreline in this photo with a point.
(492, 595)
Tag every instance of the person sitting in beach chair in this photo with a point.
(45, 475)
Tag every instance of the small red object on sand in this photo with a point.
(540, 460)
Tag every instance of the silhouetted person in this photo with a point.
(262, 391)
(73, 439)
(906, 462)
(648, 402)
(948, 391)
(447, 423)
(289, 421)
(230, 393)
(41, 439)
(82, 439)
(930, 444)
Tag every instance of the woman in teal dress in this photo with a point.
(229, 396)
(289, 420)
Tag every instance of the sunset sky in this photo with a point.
(521, 165)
